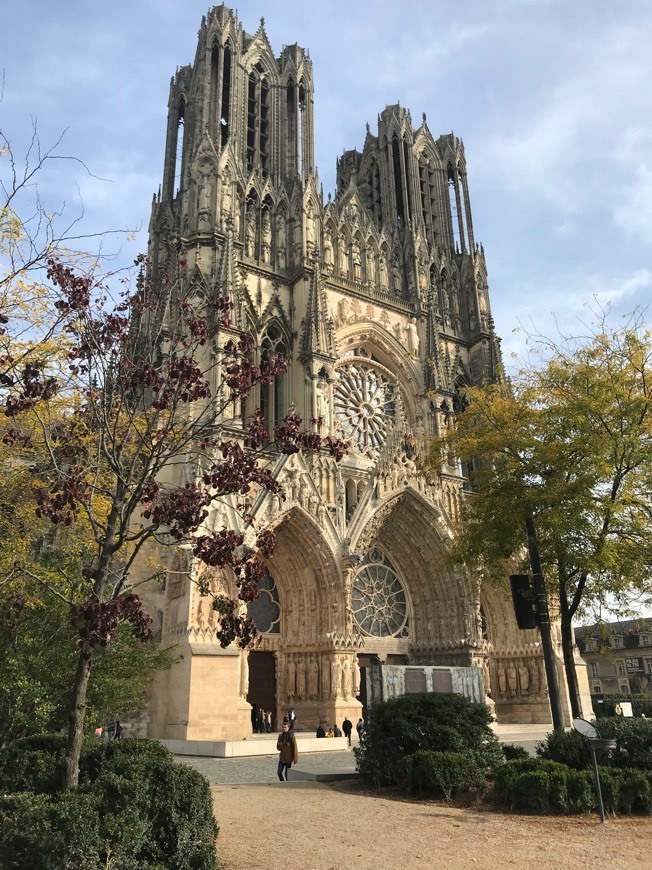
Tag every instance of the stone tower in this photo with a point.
(379, 297)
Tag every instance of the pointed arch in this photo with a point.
(274, 396)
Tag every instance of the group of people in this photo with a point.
(347, 729)
(261, 720)
(113, 731)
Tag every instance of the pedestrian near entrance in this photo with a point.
(360, 729)
(288, 752)
(347, 728)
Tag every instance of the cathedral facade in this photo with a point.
(379, 298)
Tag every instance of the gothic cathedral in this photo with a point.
(379, 298)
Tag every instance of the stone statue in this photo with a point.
(524, 679)
(266, 236)
(328, 253)
(535, 679)
(290, 686)
(343, 259)
(412, 337)
(281, 241)
(244, 674)
(203, 611)
(371, 265)
(487, 677)
(336, 678)
(502, 682)
(383, 271)
(325, 680)
(313, 678)
(346, 678)
(226, 194)
(511, 679)
(310, 228)
(357, 262)
(396, 272)
(250, 233)
(301, 679)
(356, 677)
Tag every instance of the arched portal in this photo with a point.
(442, 627)
(316, 667)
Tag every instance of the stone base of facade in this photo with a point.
(198, 698)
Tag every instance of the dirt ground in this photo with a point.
(315, 826)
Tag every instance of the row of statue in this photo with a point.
(320, 678)
(514, 679)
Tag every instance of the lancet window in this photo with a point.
(273, 404)
(258, 119)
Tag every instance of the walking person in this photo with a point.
(347, 728)
(288, 752)
(360, 729)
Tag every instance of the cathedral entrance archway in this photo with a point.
(262, 684)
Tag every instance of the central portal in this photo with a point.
(262, 684)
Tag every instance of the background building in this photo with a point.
(379, 297)
(618, 656)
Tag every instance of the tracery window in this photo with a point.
(378, 600)
(272, 395)
(365, 404)
(266, 609)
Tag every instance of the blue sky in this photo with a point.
(552, 98)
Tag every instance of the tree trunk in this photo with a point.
(567, 643)
(70, 763)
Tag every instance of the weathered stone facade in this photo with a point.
(379, 296)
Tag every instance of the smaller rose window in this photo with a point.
(378, 599)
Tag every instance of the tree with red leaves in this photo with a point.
(145, 385)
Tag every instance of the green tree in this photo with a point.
(38, 665)
(568, 442)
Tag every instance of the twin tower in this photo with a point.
(378, 297)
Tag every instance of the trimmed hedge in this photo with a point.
(633, 745)
(543, 786)
(135, 808)
(439, 722)
(439, 774)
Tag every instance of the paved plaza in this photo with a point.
(261, 769)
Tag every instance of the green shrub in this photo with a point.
(119, 756)
(440, 774)
(567, 747)
(440, 722)
(633, 741)
(32, 763)
(541, 785)
(544, 786)
(514, 752)
(46, 832)
(140, 810)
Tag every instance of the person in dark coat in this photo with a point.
(320, 731)
(288, 752)
(347, 728)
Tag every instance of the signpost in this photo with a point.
(595, 742)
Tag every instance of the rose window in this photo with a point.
(365, 406)
(378, 599)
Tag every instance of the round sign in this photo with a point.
(586, 728)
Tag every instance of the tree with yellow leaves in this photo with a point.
(568, 443)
